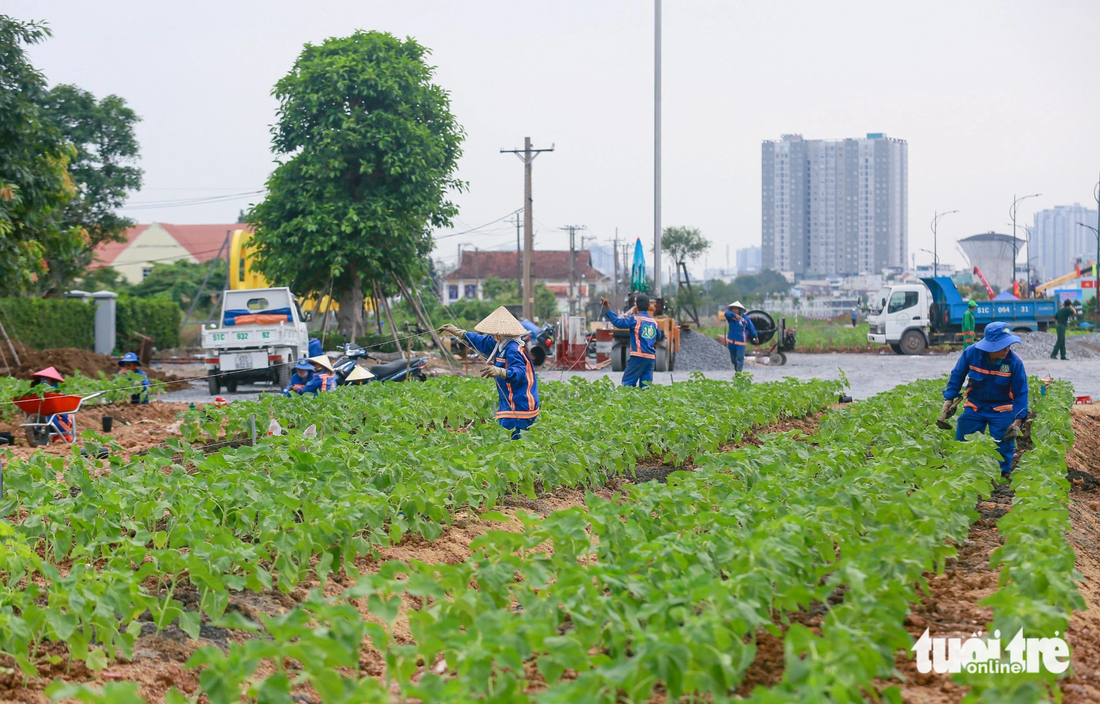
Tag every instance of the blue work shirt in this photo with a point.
(302, 386)
(519, 389)
(143, 395)
(994, 386)
(740, 332)
(644, 332)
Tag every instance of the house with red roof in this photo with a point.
(147, 245)
(551, 267)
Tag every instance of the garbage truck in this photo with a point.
(911, 317)
(261, 334)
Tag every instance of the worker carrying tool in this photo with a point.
(304, 380)
(1062, 319)
(968, 325)
(644, 335)
(996, 395)
(499, 338)
(62, 422)
(130, 364)
(322, 367)
(741, 330)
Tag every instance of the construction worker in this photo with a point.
(740, 331)
(1062, 319)
(855, 317)
(358, 376)
(62, 422)
(499, 338)
(322, 367)
(996, 395)
(130, 364)
(303, 381)
(644, 335)
(968, 325)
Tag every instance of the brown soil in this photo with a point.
(136, 427)
(68, 360)
(1084, 509)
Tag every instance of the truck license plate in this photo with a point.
(244, 361)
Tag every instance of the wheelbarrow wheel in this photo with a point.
(777, 359)
(38, 437)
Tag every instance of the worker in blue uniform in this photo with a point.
(644, 335)
(499, 338)
(62, 423)
(740, 331)
(130, 364)
(996, 395)
(304, 380)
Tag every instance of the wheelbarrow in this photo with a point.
(51, 417)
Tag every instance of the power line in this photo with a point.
(183, 202)
(475, 229)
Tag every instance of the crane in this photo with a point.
(988, 288)
(1041, 289)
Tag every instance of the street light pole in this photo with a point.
(935, 242)
(1012, 213)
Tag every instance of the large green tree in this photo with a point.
(684, 244)
(34, 156)
(102, 170)
(369, 149)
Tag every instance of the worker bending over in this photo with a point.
(322, 367)
(304, 380)
(130, 364)
(741, 330)
(499, 338)
(996, 395)
(644, 335)
(62, 422)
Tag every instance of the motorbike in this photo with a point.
(397, 370)
(541, 345)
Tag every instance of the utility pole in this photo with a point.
(657, 146)
(1012, 212)
(572, 230)
(519, 260)
(615, 257)
(527, 155)
(935, 241)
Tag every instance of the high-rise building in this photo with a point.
(1058, 240)
(748, 260)
(834, 206)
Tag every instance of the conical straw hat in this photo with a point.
(359, 374)
(737, 304)
(323, 360)
(501, 322)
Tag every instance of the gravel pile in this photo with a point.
(699, 353)
(1037, 345)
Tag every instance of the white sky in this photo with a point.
(994, 98)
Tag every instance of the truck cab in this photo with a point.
(262, 332)
(899, 317)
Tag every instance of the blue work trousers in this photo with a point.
(737, 356)
(638, 372)
(972, 421)
(516, 425)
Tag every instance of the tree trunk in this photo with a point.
(350, 315)
(380, 301)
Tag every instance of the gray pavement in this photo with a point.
(868, 374)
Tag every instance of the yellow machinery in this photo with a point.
(1041, 289)
(243, 275)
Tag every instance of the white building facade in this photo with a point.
(1058, 239)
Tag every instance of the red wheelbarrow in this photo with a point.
(51, 417)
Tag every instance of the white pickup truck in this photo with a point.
(262, 333)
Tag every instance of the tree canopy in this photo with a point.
(684, 244)
(369, 149)
(34, 181)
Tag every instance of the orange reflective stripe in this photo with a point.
(530, 373)
(742, 344)
(511, 399)
(643, 355)
(968, 404)
(1003, 408)
(517, 414)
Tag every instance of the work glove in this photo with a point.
(452, 330)
(1013, 431)
(494, 372)
(949, 408)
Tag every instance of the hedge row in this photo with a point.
(44, 323)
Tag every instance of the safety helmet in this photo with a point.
(128, 358)
(304, 364)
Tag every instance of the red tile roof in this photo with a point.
(549, 265)
(106, 253)
(201, 241)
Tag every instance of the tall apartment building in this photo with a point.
(834, 207)
(748, 260)
(1057, 240)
